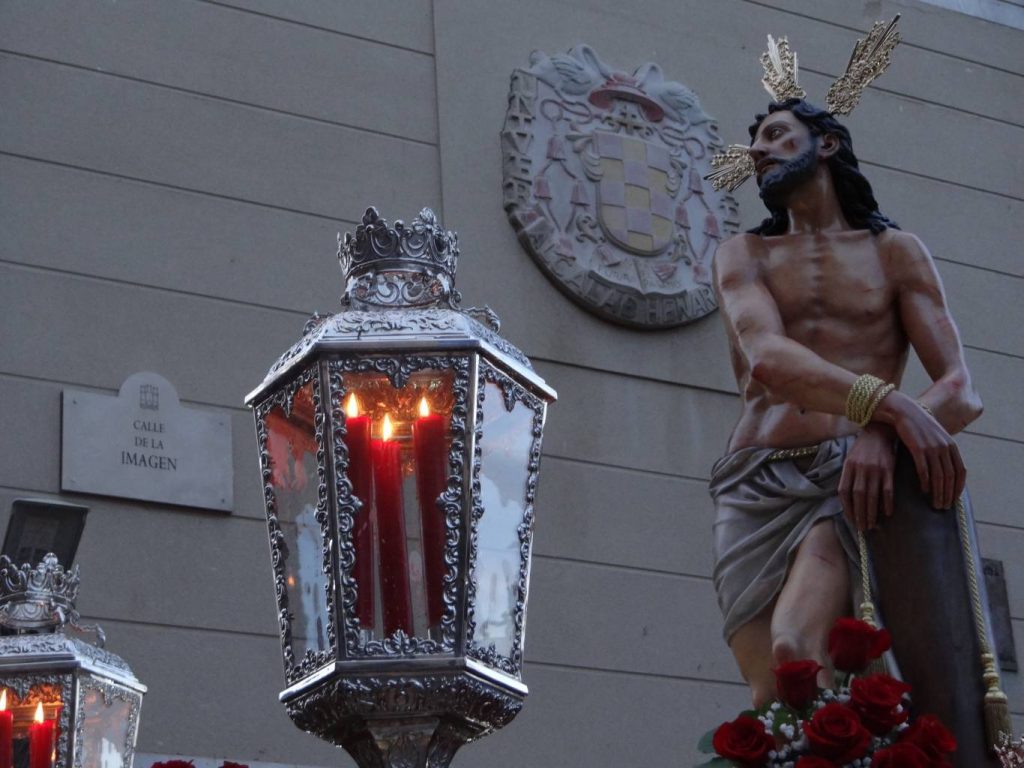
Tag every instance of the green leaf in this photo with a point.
(705, 745)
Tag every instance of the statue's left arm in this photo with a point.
(930, 329)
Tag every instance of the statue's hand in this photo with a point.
(936, 455)
(866, 482)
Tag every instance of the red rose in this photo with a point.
(928, 734)
(229, 764)
(900, 755)
(852, 643)
(813, 761)
(743, 740)
(836, 732)
(876, 698)
(174, 764)
(797, 682)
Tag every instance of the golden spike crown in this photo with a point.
(871, 57)
(733, 166)
(781, 73)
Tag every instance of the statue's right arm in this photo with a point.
(786, 369)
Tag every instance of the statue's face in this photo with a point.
(785, 155)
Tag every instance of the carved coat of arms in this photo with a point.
(603, 185)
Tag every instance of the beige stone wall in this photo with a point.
(172, 176)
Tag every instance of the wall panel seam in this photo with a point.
(905, 42)
(150, 287)
(94, 618)
(308, 25)
(167, 185)
(917, 174)
(631, 673)
(675, 575)
(215, 97)
(922, 100)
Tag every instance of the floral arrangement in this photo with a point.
(862, 722)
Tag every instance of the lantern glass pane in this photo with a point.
(504, 473)
(398, 470)
(292, 448)
(28, 735)
(105, 728)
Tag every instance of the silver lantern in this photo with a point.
(64, 702)
(399, 442)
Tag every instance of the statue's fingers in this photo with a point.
(935, 475)
(845, 499)
(874, 488)
(921, 465)
(887, 493)
(860, 493)
(948, 480)
(961, 473)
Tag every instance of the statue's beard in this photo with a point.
(781, 181)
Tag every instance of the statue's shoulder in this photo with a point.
(737, 260)
(741, 247)
(903, 248)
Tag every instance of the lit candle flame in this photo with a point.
(3, 701)
(40, 717)
(424, 407)
(352, 407)
(387, 429)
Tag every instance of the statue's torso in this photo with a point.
(835, 296)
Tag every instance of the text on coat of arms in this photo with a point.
(603, 185)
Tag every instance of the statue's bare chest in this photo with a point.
(821, 277)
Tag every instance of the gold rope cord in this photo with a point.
(998, 727)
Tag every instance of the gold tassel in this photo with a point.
(998, 727)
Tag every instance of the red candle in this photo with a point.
(40, 741)
(431, 462)
(394, 560)
(360, 474)
(6, 732)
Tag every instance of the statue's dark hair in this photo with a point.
(853, 190)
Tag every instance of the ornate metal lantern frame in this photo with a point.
(403, 695)
(90, 693)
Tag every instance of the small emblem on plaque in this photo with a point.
(149, 397)
(603, 184)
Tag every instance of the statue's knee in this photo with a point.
(787, 648)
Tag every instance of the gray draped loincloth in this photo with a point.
(764, 508)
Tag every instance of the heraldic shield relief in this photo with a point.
(603, 184)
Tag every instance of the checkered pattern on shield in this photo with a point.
(635, 209)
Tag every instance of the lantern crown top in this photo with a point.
(399, 266)
(37, 597)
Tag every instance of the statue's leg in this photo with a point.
(816, 593)
(751, 644)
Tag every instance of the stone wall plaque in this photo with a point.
(143, 444)
(603, 183)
